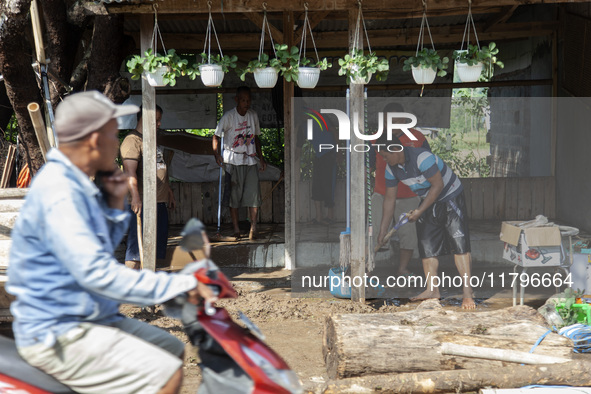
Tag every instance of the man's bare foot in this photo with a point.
(404, 273)
(468, 303)
(427, 295)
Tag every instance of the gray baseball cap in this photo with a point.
(82, 113)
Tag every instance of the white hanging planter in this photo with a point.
(308, 77)
(156, 78)
(265, 77)
(212, 75)
(469, 73)
(358, 79)
(423, 76)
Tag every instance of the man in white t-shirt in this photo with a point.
(242, 154)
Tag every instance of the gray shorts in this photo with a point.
(246, 190)
(407, 234)
(128, 357)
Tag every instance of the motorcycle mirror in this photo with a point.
(192, 235)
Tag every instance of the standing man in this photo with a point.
(242, 153)
(68, 284)
(442, 222)
(406, 199)
(131, 154)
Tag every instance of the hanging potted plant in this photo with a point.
(426, 65)
(470, 62)
(213, 67)
(265, 70)
(159, 70)
(359, 67)
(296, 66)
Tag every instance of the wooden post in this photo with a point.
(288, 155)
(149, 152)
(357, 175)
(8, 166)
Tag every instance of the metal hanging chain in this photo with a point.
(266, 23)
(469, 21)
(303, 40)
(424, 23)
(207, 43)
(360, 21)
(156, 33)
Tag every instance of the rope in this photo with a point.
(156, 33)
(262, 43)
(469, 21)
(580, 335)
(303, 39)
(370, 254)
(207, 43)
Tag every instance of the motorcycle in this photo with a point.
(235, 358)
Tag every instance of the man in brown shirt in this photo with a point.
(131, 153)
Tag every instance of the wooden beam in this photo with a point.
(386, 38)
(357, 173)
(334, 88)
(315, 18)
(290, 161)
(408, 6)
(501, 17)
(149, 154)
(257, 19)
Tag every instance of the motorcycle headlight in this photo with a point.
(287, 379)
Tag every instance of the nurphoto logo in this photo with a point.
(403, 121)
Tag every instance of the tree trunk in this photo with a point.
(15, 66)
(357, 344)
(108, 52)
(574, 373)
(62, 40)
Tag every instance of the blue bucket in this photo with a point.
(342, 291)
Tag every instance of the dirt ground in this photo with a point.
(293, 326)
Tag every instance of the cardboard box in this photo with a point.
(534, 236)
(532, 247)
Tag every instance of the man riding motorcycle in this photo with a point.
(67, 283)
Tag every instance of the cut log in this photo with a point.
(365, 344)
(575, 373)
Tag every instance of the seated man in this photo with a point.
(67, 283)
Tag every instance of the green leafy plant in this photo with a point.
(473, 55)
(291, 62)
(359, 65)
(150, 61)
(226, 62)
(427, 58)
(567, 312)
(262, 62)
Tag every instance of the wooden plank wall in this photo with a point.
(200, 200)
(510, 198)
(486, 199)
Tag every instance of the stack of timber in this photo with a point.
(406, 351)
(11, 201)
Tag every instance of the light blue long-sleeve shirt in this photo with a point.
(62, 269)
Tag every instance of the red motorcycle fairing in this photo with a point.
(234, 339)
(10, 385)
